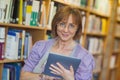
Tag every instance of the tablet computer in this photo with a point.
(66, 61)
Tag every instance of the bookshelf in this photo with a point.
(37, 33)
(100, 34)
(116, 40)
(32, 30)
(97, 35)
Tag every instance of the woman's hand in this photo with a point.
(45, 77)
(61, 71)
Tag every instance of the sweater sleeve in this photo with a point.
(34, 56)
(85, 69)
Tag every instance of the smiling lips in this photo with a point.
(65, 35)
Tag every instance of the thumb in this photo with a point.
(71, 69)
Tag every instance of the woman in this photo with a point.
(66, 29)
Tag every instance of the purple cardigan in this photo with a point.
(84, 71)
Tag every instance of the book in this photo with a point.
(63, 60)
(5, 74)
(28, 12)
(20, 15)
(34, 13)
(10, 49)
(11, 71)
(2, 44)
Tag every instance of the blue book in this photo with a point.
(64, 60)
(12, 71)
(5, 74)
(17, 67)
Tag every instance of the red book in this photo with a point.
(2, 50)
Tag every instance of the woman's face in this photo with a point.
(66, 29)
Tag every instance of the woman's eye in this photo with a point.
(62, 24)
(71, 26)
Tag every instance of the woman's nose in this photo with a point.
(66, 29)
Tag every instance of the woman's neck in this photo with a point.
(64, 44)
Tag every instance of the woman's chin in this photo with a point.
(65, 39)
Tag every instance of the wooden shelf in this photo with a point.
(118, 20)
(97, 54)
(117, 36)
(48, 28)
(114, 68)
(116, 52)
(9, 61)
(98, 14)
(96, 72)
(66, 3)
(96, 34)
(21, 26)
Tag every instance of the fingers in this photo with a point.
(71, 69)
(55, 70)
(60, 66)
(60, 70)
(48, 77)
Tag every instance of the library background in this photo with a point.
(23, 22)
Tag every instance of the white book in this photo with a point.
(35, 6)
(17, 44)
(91, 45)
(29, 44)
(83, 23)
(8, 4)
(2, 32)
(10, 46)
(10, 11)
(90, 23)
(12, 42)
(112, 61)
(100, 46)
(50, 15)
(2, 10)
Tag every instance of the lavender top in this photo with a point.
(86, 66)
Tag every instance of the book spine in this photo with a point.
(20, 12)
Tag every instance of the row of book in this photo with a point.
(18, 44)
(94, 45)
(98, 66)
(97, 24)
(20, 11)
(101, 6)
(11, 71)
(82, 3)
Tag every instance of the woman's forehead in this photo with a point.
(65, 19)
